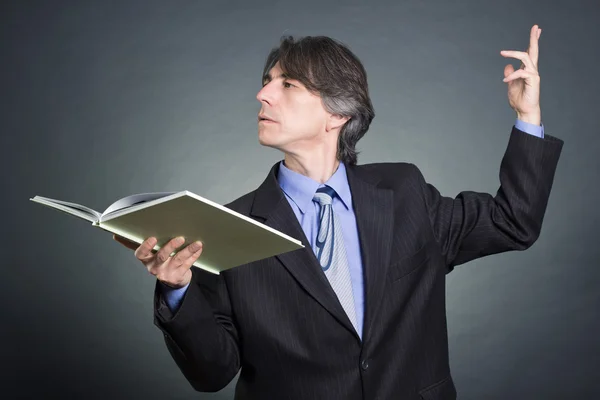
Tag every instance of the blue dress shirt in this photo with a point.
(299, 191)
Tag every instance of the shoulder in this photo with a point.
(242, 204)
(392, 174)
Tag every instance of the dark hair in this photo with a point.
(328, 68)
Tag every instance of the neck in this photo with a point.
(317, 168)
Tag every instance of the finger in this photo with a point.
(533, 44)
(165, 252)
(521, 73)
(191, 260)
(508, 69)
(182, 256)
(144, 250)
(520, 55)
(174, 268)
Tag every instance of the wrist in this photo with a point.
(531, 118)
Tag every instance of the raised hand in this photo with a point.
(524, 83)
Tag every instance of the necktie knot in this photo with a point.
(324, 195)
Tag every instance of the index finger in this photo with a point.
(533, 44)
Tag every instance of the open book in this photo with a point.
(229, 239)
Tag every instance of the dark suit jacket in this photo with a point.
(279, 320)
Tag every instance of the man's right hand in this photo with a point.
(172, 271)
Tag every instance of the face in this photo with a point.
(298, 119)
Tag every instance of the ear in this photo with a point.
(335, 122)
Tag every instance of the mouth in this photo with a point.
(265, 119)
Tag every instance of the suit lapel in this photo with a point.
(374, 211)
(373, 208)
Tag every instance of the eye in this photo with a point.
(287, 83)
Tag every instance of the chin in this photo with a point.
(270, 144)
(267, 140)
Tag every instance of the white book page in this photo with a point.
(129, 201)
(82, 211)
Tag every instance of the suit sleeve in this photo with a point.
(474, 225)
(201, 335)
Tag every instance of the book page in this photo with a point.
(129, 201)
(72, 208)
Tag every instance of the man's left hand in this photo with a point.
(524, 83)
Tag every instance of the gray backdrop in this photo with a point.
(104, 99)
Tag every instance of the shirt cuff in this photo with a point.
(173, 296)
(535, 130)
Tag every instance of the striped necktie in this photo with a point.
(331, 252)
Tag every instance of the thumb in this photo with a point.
(508, 69)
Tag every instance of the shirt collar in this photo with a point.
(301, 189)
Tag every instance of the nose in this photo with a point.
(265, 95)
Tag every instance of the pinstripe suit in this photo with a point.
(280, 321)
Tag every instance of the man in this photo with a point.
(359, 313)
